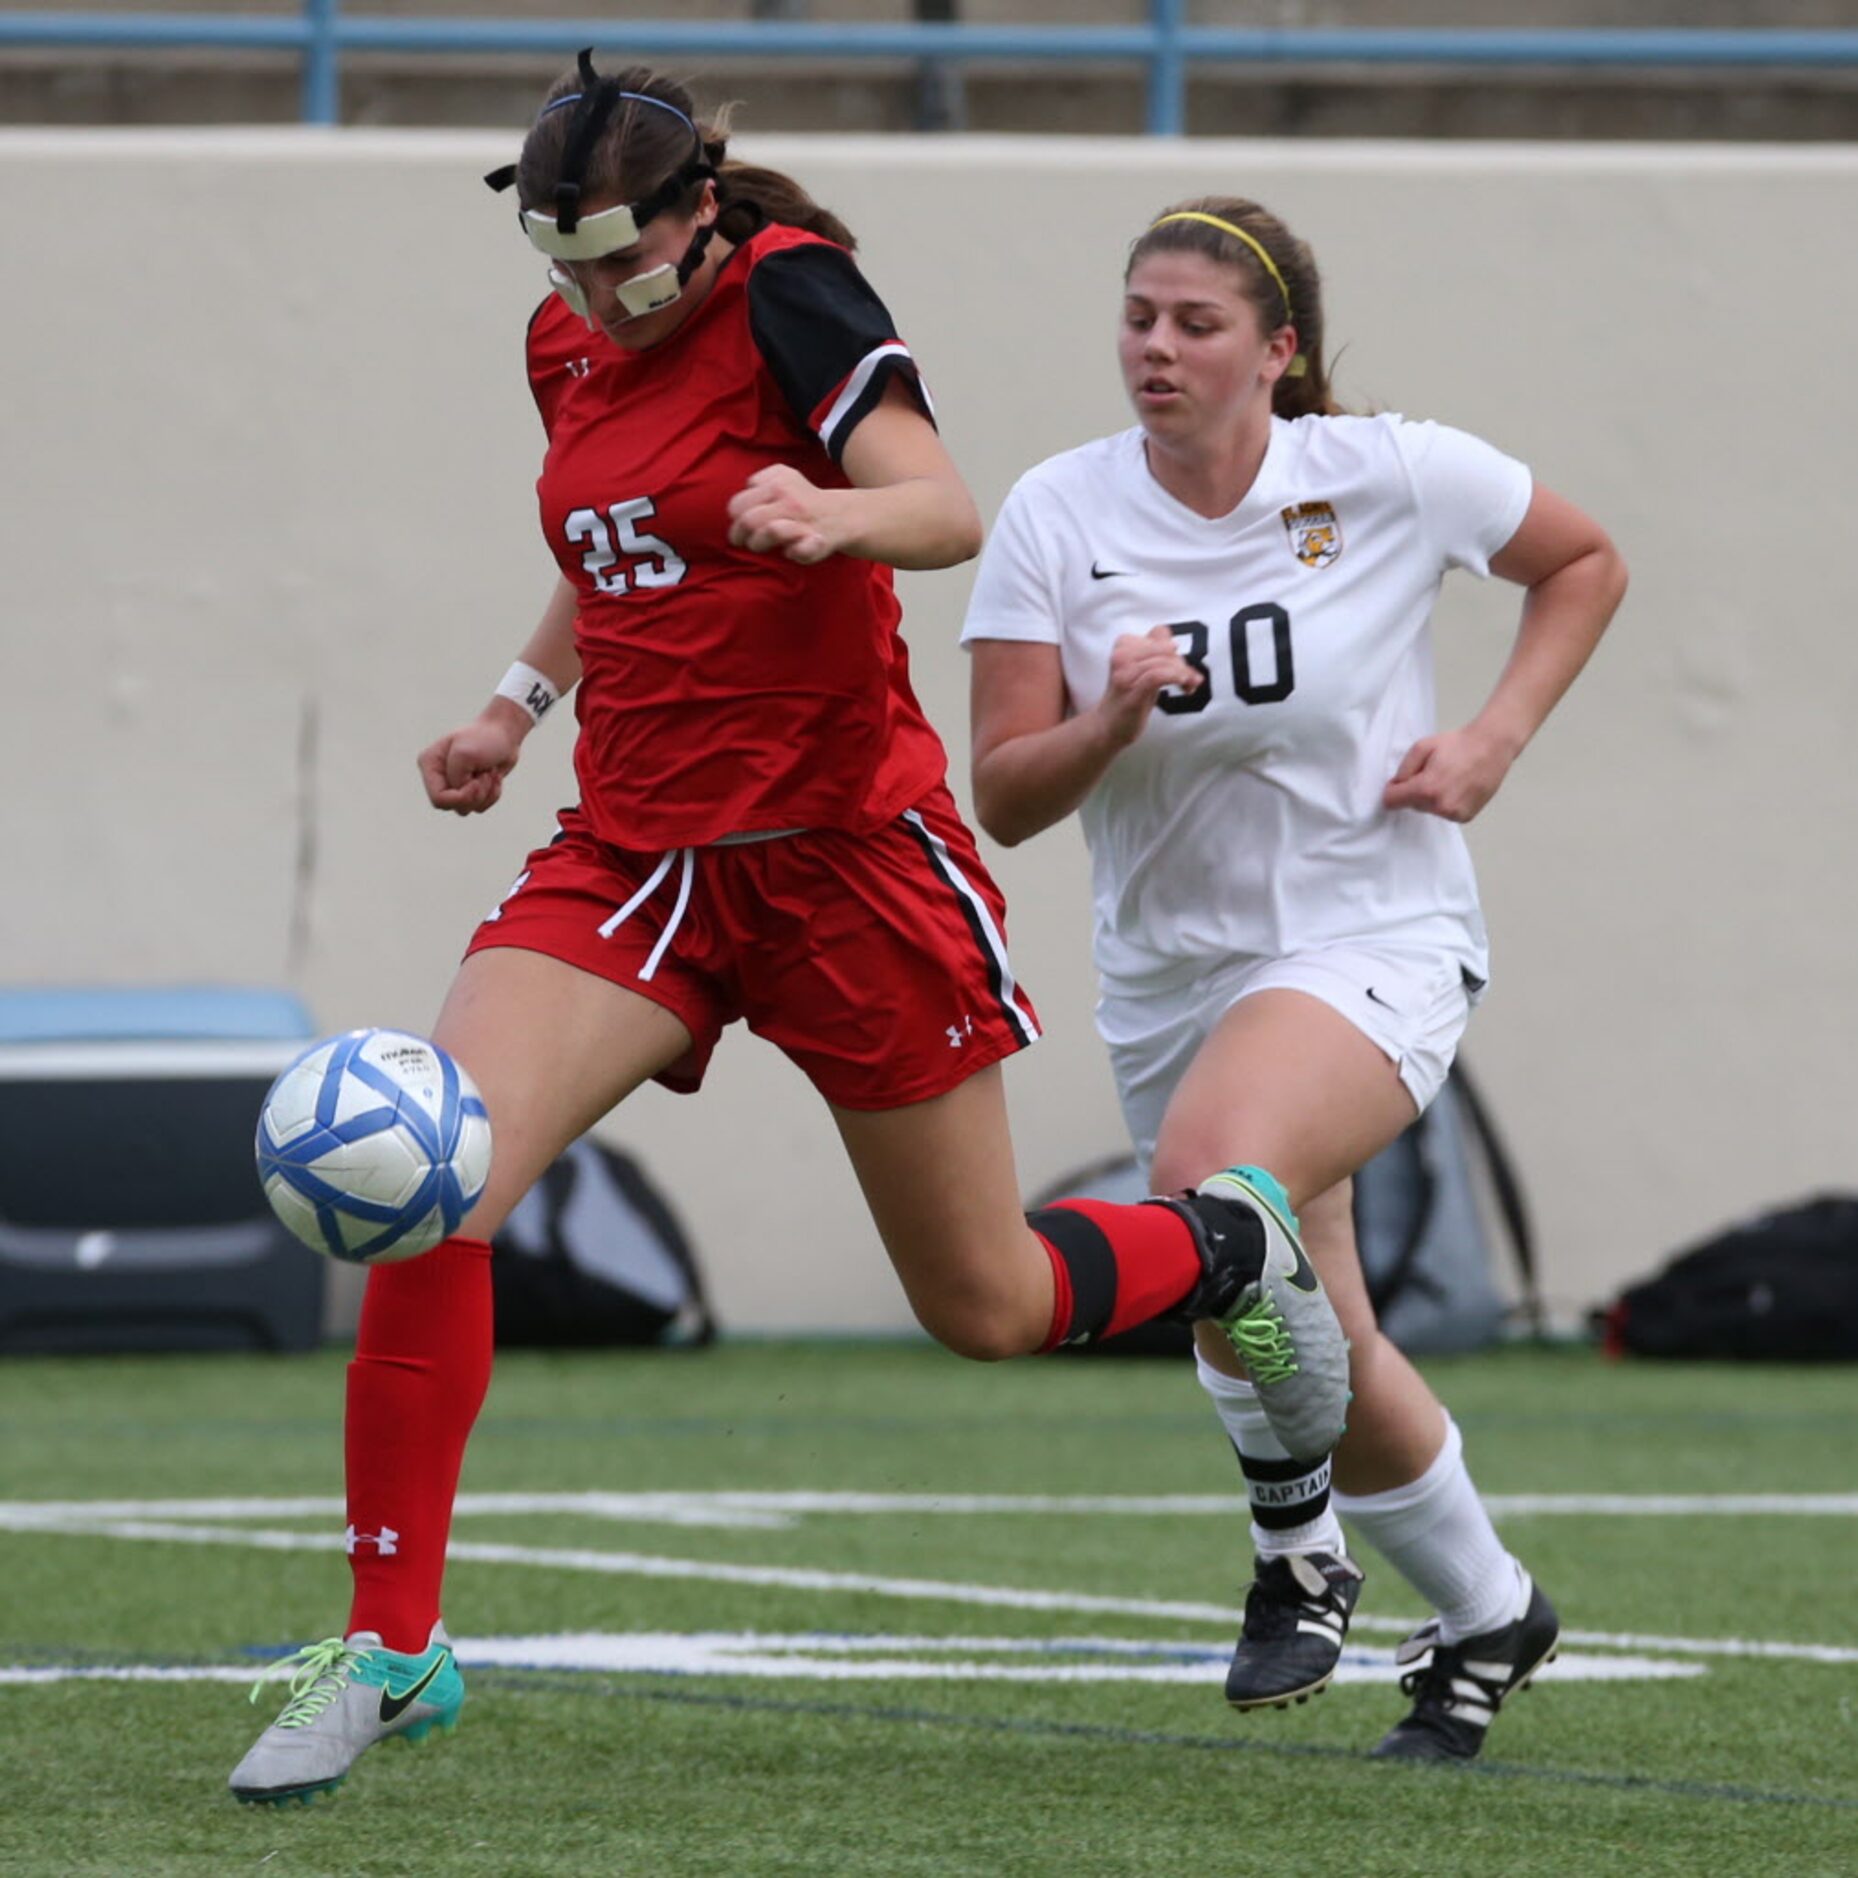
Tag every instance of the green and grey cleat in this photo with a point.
(346, 1693)
(1280, 1319)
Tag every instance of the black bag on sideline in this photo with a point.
(1782, 1287)
(592, 1254)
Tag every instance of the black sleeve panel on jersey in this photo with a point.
(828, 340)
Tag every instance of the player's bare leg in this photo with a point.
(943, 1190)
(552, 1048)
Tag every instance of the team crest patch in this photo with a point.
(1315, 534)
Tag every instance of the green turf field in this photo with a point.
(843, 1609)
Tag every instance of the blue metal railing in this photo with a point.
(1166, 44)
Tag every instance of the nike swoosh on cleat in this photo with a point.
(1304, 1277)
(394, 1706)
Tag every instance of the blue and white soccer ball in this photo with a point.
(373, 1146)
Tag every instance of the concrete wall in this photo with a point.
(269, 528)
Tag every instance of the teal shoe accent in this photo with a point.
(431, 1677)
(1270, 1190)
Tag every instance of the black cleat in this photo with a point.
(1457, 1694)
(1296, 1616)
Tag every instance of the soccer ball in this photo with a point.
(373, 1146)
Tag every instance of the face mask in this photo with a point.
(567, 236)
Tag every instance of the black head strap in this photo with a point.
(599, 99)
(594, 105)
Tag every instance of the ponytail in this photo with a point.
(773, 197)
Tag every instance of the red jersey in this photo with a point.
(726, 692)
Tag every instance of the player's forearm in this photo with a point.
(550, 647)
(921, 522)
(1563, 619)
(1030, 783)
(548, 650)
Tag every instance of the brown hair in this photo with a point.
(1297, 302)
(641, 146)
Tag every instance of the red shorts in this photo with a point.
(876, 962)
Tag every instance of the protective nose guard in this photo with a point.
(592, 238)
(643, 293)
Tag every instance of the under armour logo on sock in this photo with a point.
(385, 1542)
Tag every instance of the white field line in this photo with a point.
(1674, 1505)
(652, 1509)
(828, 1658)
(794, 1578)
(12, 1673)
(769, 1510)
(904, 1658)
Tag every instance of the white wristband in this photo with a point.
(534, 691)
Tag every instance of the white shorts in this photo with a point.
(1412, 1003)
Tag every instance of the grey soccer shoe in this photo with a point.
(1296, 1616)
(346, 1693)
(1457, 1694)
(1278, 1316)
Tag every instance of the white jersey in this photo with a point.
(1246, 820)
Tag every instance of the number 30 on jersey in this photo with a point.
(651, 561)
(1263, 669)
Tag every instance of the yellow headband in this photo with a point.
(1298, 365)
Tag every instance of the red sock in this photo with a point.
(1113, 1267)
(422, 1365)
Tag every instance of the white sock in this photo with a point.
(1436, 1535)
(1289, 1499)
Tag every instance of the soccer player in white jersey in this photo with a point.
(1209, 636)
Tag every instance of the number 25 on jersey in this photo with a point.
(649, 560)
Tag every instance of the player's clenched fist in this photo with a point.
(1142, 667)
(777, 511)
(464, 770)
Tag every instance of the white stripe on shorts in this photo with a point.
(1006, 986)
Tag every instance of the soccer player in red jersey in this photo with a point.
(740, 449)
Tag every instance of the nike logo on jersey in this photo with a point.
(1375, 998)
(394, 1706)
(1108, 573)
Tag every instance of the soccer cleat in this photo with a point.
(1296, 1616)
(1457, 1694)
(346, 1693)
(1276, 1312)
